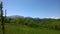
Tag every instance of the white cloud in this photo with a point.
(54, 17)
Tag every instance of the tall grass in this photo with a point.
(23, 29)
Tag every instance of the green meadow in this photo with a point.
(23, 29)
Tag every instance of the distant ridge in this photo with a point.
(16, 16)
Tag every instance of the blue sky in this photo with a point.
(32, 8)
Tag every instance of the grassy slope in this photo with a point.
(22, 29)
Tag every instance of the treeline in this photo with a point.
(33, 22)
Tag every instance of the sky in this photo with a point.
(32, 8)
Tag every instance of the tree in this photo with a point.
(2, 18)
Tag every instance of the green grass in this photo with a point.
(22, 29)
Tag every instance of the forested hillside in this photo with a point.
(34, 22)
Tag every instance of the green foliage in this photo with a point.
(28, 25)
(35, 22)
